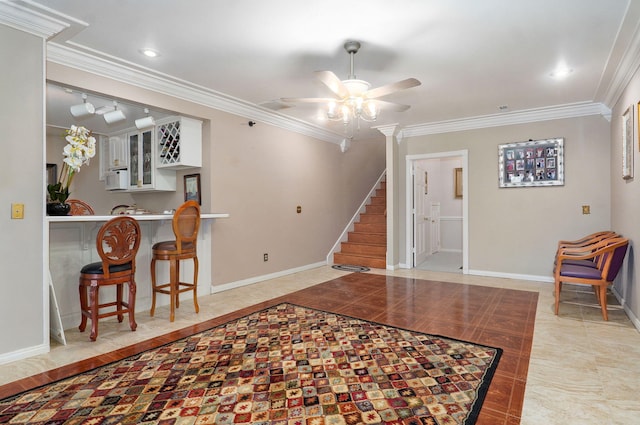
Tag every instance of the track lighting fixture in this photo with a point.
(114, 116)
(145, 122)
(83, 109)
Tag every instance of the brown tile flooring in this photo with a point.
(493, 316)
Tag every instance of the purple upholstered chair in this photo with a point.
(610, 256)
(582, 246)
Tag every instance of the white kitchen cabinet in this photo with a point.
(118, 152)
(143, 174)
(113, 153)
(179, 141)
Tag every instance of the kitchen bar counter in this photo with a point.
(72, 244)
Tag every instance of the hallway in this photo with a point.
(450, 262)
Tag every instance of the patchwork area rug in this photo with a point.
(284, 365)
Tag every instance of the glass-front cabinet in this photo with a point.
(142, 173)
(140, 153)
(151, 156)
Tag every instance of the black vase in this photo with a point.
(58, 208)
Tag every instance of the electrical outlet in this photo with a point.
(17, 211)
(299, 209)
(266, 257)
(586, 209)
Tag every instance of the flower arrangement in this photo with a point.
(81, 147)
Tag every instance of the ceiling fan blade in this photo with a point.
(391, 88)
(332, 81)
(274, 105)
(391, 106)
(307, 99)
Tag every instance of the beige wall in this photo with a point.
(22, 303)
(625, 198)
(259, 175)
(515, 230)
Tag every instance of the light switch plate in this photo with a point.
(17, 211)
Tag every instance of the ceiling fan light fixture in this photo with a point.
(372, 110)
(331, 110)
(345, 112)
(354, 99)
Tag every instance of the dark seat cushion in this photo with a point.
(171, 246)
(96, 268)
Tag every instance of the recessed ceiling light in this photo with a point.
(149, 53)
(561, 72)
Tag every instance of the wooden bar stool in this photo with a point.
(186, 222)
(117, 243)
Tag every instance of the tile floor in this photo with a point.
(582, 370)
(443, 261)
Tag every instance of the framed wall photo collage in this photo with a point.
(532, 163)
(627, 143)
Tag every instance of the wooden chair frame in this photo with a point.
(79, 207)
(117, 244)
(608, 255)
(186, 223)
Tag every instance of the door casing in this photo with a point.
(409, 190)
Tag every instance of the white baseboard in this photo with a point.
(252, 280)
(24, 353)
(511, 276)
(634, 319)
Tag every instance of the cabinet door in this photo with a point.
(118, 151)
(134, 163)
(141, 172)
(146, 155)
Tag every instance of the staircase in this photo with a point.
(367, 244)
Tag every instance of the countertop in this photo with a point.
(139, 217)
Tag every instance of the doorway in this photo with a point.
(436, 217)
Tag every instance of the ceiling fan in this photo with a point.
(355, 99)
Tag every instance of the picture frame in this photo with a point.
(627, 143)
(531, 163)
(52, 174)
(192, 188)
(457, 181)
(638, 122)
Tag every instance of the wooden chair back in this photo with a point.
(186, 223)
(117, 243)
(79, 207)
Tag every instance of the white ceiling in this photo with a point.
(471, 56)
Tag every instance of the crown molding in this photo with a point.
(165, 84)
(630, 61)
(518, 117)
(15, 15)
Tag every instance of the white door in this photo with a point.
(421, 228)
(435, 228)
